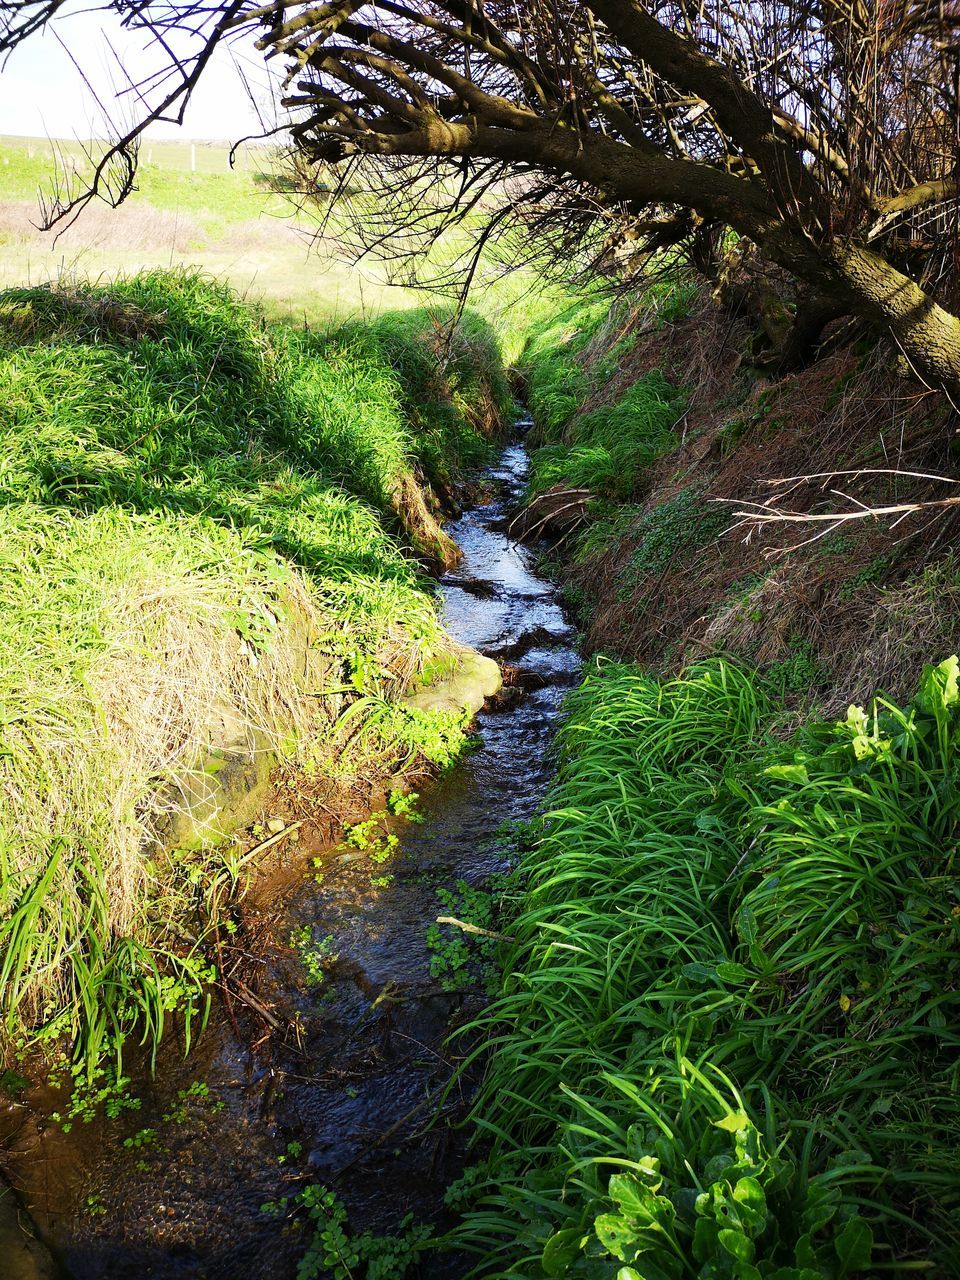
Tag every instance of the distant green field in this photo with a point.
(225, 221)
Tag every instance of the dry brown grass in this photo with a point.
(739, 593)
(131, 228)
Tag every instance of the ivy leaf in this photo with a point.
(854, 1246)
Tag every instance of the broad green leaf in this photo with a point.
(617, 1235)
(698, 972)
(716, 1167)
(940, 686)
(705, 1235)
(635, 1198)
(854, 1245)
(749, 1195)
(788, 772)
(805, 1253)
(730, 971)
(735, 1121)
(747, 925)
(560, 1250)
(736, 1244)
(648, 1168)
(821, 1207)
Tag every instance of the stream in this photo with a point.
(344, 1094)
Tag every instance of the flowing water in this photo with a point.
(347, 1094)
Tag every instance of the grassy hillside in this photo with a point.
(230, 223)
(211, 522)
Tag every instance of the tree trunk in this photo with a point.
(928, 335)
(864, 284)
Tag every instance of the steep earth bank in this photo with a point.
(658, 429)
(221, 536)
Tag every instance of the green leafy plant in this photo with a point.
(317, 957)
(335, 1252)
(668, 534)
(459, 959)
(733, 989)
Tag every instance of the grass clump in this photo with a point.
(557, 379)
(726, 1039)
(611, 447)
(571, 355)
(204, 529)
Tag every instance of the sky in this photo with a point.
(42, 92)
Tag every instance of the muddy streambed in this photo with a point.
(337, 1083)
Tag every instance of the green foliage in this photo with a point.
(403, 804)
(669, 534)
(317, 957)
(607, 449)
(102, 1089)
(797, 673)
(174, 472)
(611, 447)
(702, 1194)
(455, 387)
(671, 299)
(557, 381)
(870, 575)
(734, 988)
(462, 960)
(336, 1253)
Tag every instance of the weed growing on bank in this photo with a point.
(725, 1043)
(205, 523)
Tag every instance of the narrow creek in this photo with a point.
(343, 1090)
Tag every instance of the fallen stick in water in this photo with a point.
(272, 840)
(475, 928)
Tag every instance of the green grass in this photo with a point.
(726, 1040)
(572, 354)
(185, 490)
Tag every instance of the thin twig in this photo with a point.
(475, 928)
